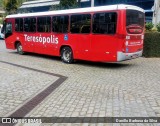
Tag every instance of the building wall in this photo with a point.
(156, 12)
(145, 4)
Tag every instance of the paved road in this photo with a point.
(126, 89)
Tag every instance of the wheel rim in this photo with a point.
(67, 55)
(20, 48)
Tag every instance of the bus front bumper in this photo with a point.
(127, 56)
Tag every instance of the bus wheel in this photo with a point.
(67, 55)
(19, 49)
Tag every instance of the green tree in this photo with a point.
(65, 4)
(11, 6)
(1, 3)
(158, 27)
(149, 26)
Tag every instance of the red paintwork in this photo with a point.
(92, 47)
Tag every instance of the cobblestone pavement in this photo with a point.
(126, 89)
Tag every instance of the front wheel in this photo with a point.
(67, 55)
(19, 49)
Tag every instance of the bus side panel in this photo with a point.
(41, 43)
(121, 31)
(81, 45)
(104, 48)
(53, 48)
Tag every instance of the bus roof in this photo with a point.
(79, 10)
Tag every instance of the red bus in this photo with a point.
(105, 34)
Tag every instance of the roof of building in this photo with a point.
(79, 10)
(38, 3)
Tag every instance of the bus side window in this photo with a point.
(30, 24)
(104, 23)
(44, 24)
(19, 24)
(85, 29)
(60, 24)
(8, 28)
(80, 23)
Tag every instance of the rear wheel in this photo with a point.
(67, 55)
(19, 48)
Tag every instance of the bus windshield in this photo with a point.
(134, 21)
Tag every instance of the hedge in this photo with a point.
(151, 44)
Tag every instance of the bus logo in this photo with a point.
(42, 39)
(66, 37)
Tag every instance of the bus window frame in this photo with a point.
(6, 31)
(106, 12)
(68, 31)
(46, 16)
(24, 23)
(90, 23)
(15, 26)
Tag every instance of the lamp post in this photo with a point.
(92, 3)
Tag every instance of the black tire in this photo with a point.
(19, 48)
(67, 55)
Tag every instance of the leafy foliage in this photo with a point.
(1, 3)
(149, 26)
(158, 27)
(11, 6)
(151, 44)
(65, 4)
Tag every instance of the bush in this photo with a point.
(154, 29)
(151, 44)
(158, 27)
(149, 26)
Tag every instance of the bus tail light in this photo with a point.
(134, 29)
(142, 37)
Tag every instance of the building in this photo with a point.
(145, 4)
(45, 5)
(37, 5)
(156, 12)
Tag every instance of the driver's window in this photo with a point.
(8, 28)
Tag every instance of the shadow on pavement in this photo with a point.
(81, 62)
(103, 65)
